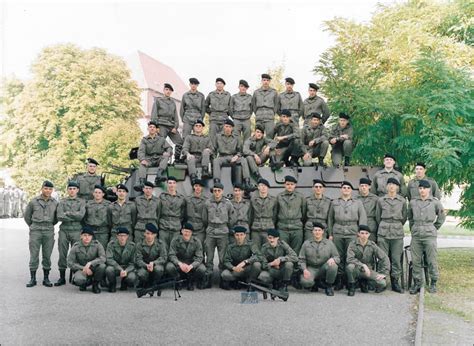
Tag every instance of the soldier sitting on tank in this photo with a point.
(257, 150)
(314, 140)
(197, 148)
(286, 142)
(341, 140)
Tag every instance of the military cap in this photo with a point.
(266, 76)
(72, 183)
(238, 186)
(153, 123)
(260, 128)
(218, 185)
(364, 228)
(314, 86)
(198, 182)
(390, 156)
(149, 184)
(290, 80)
(122, 230)
(393, 181)
(91, 160)
(421, 164)
(219, 79)
(291, 179)
(343, 115)
(100, 187)
(47, 183)
(122, 187)
(87, 230)
(151, 227)
(171, 178)
(286, 112)
(194, 81)
(239, 229)
(229, 122)
(273, 232)
(318, 225)
(199, 121)
(168, 86)
(318, 181)
(244, 83)
(347, 183)
(424, 183)
(188, 226)
(263, 181)
(364, 181)
(316, 115)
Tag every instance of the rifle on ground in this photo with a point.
(159, 286)
(265, 291)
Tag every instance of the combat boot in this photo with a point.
(123, 285)
(363, 286)
(193, 178)
(350, 289)
(321, 162)
(396, 286)
(62, 278)
(208, 281)
(339, 285)
(32, 281)
(225, 285)
(95, 287)
(177, 153)
(416, 287)
(190, 285)
(159, 177)
(329, 291)
(83, 288)
(112, 288)
(46, 281)
(284, 286)
(274, 165)
(248, 186)
(379, 289)
(347, 161)
(139, 186)
(433, 288)
(205, 174)
(257, 176)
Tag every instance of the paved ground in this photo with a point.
(440, 328)
(64, 315)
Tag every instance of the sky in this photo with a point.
(203, 39)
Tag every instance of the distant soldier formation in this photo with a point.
(13, 201)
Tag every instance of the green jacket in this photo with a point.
(315, 254)
(425, 217)
(360, 255)
(369, 202)
(194, 144)
(253, 146)
(291, 210)
(241, 212)
(227, 145)
(147, 211)
(218, 217)
(97, 215)
(164, 112)
(71, 212)
(289, 130)
(412, 189)
(265, 103)
(121, 257)
(155, 253)
(317, 210)
(241, 106)
(218, 105)
(80, 255)
(293, 102)
(123, 216)
(153, 148)
(263, 212)
(186, 252)
(283, 251)
(192, 107)
(337, 131)
(315, 104)
(40, 214)
(379, 182)
(391, 215)
(194, 209)
(172, 211)
(319, 134)
(86, 185)
(234, 254)
(345, 217)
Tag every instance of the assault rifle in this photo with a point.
(176, 284)
(266, 291)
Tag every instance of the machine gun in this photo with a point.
(266, 291)
(176, 284)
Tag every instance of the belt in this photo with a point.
(346, 223)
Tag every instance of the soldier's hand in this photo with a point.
(331, 262)
(279, 138)
(307, 156)
(173, 130)
(234, 158)
(190, 156)
(380, 277)
(275, 263)
(123, 273)
(331, 237)
(241, 265)
(166, 154)
(311, 143)
(149, 266)
(89, 272)
(257, 159)
(344, 137)
(183, 267)
(366, 269)
(333, 140)
(306, 274)
(144, 162)
(266, 151)
(237, 269)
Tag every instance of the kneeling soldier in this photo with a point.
(361, 254)
(319, 259)
(87, 260)
(151, 257)
(278, 260)
(121, 261)
(241, 259)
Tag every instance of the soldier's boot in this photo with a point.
(339, 285)
(351, 289)
(190, 285)
(396, 286)
(46, 281)
(103, 283)
(315, 287)
(83, 287)
(347, 161)
(321, 162)
(257, 176)
(139, 186)
(248, 186)
(329, 291)
(416, 287)
(123, 285)
(284, 286)
(371, 286)
(32, 281)
(206, 172)
(380, 289)
(208, 280)
(363, 286)
(294, 162)
(433, 288)
(193, 178)
(177, 153)
(112, 288)
(225, 285)
(95, 287)
(159, 177)
(274, 164)
(62, 278)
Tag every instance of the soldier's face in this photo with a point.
(392, 188)
(265, 82)
(237, 193)
(315, 122)
(258, 134)
(72, 191)
(285, 119)
(388, 162)
(219, 86)
(197, 129)
(228, 129)
(167, 92)
(318, 233)
(263, 189)
(148, 191)
(364, 235)
(91, 168)
(420, 171)
(312, 92)
(86, 238)
(46, 191)
(121, 194)
(98, 195)
(242, 89)
(239, 237)
(152, 130)
(217, 193)
(197, 189)
(273, 241)
(424, 192)
(346, 191)
(318, 189)
(171, 186)
(122, 238)
(364, 189)
(150, 236)
(193, 87)
(290, 186)
(343, 122)
(186, 234)
(289, 87)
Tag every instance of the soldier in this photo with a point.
(278, 261)
(340, 138)
(291, 100)
(172, 209)
(317, 209)
(197, 148)
(241, 210)
(263, 212)
(291, 209)
(88, 180)
(151, 257)
(315, 104)
(8, 202)
(24, 203)
(87, 261)
(379, 183)
(241, 260)
(193, 107)
(218, 108)
(2, 203)
(265, 102)
(241, 110)
(287, 142)
(314, 140)
(122, 212)
(40, 216)
(71, 211)
(361, 256)
(194, 209)
(369, 201)
(391, 215)
(121, 253)
(345, 215)
(218, 217)
(16, 202)
(228, 147)
(97, 216)
(426, 216)
(420, 174)
(318, 259)
(186, 257)
(154, 151)
(257, 150)
(148, 209)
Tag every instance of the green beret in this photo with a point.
(291, 179)
(88, 230)
(393, 181)
(364, 181)
(72, 183)
(364, 228)
(47, 183)
(151, 227)
(239, 229)
(424, 183)
(122, 230)
(273, 232)
(318, 225)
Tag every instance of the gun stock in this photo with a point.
(265, 290)
(160, 285)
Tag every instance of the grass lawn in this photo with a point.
(448, 229)
(456, 284)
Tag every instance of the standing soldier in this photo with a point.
(287, 141)
(40, 216)
(16, 202)
(241, 110)
(379, 184)
(193, 107)
(71, 211)
(97, 216)
(197, 148)
(172, 209)
(265, 102)
(154, 151)
(263, 213)
(194, 209)
(87, 261)
(340, 138)
(257, 150)
(345, 216)
(420, 174)
(88, 180)
(148, 209)
(391, 216)
(317, 209)
(218, 108)
(369, 201)
(426, 216)
(291, 210)
(122, 212)
(291, 100)
(315, 104)
(8, 202)
(241, 210)
(314, 140)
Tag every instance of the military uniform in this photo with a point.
(263, 213)
(145, 254)
(319, 135)
(171, 216)
(156, 151)
(194, 210)
(8, 203)
(265, 104)
(201, 148)
(315, 105)
(2, 203)
(192, 108)
(87, 182)
(370, 203)
(313, 256)
(186, 252)
(241, 111)
(252, 147)
(379, 182)
(121, 258)
(236, 254)
(80, 255)
(241, 215)
(148, 210)
(227, 147)
(123, 215)
(288, 259)
(98, 218)
(317, 210)
(412, 188)
(291, 209)
(218, 108)
(343, 147)
(164, 113)
(294, 103)
(289, 146)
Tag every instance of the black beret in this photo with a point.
(263, 181)
(244, 83)
(238, 186)
(393, 181)
(390, 156)
(198, 182)
(149, 184)
(88, 230)
(218, 185)
(343, 115)
(318, 225)
(169, 86)
(346, 183)
(72, 183)
(291, 179)
(47, 183)
(314, 86)
(316, 115)
(239, 229)
(421, 164)
(266, 76)
(318, 181)
(122, 230)
(91, 160)
(193, 81)
(365, 181)
(260, 128)
(151, 227)
(122, 187)
(199, 121)
(290, 80)
(285, 112)
(188, 226)
(100, 187)
(229, 122)
(153, 123)
(171, 178)
(364, 228)
(273, 232)
(219, 79)
(424, 183)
